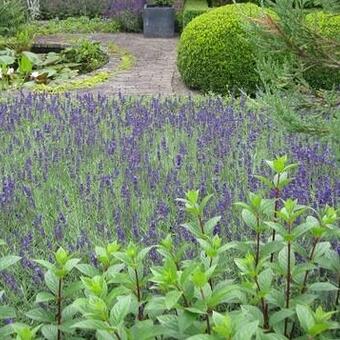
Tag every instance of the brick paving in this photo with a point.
(154, 71)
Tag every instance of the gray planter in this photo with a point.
(158, 22)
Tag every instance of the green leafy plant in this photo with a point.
(276, 291)
(71, 8)
(12, 16)
(73, 25)
(87, 54)
(28, 69)
(162, 3)
(6, 261)
(60, 321)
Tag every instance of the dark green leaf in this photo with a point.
(50, 332)
(322, 286)
(146, 330)
(210, 224)
(8, 261)
(7, 312)
(91, 324)
(249, 218)
(247, 331)
(281, 315)
(120, 310)
(305, 317)
(51, 282)
(44, 297)
(41, 315)
(172, 298)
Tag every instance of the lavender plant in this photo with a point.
(125, 296)
(80, 172)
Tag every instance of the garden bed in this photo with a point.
(49, 64)
(82, 171)
(118, 59)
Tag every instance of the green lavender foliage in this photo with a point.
(276, 292)
(302, 91)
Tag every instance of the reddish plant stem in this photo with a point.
(210, 280)
(338, 293)
(177, 265)
(186, 303)
(207, 314)
(304, 284)
(257, 258)
(257, 249)
(59, 306)
(288, 279)
(264, 307)
(139, 298)
(117, 335)
(276, 209)
(201, 224)
(208, 324)
(200, 221)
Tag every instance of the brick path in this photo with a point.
(154, 72)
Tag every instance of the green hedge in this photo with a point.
(327, 25)
(215, 53)
(194, 8)
(63, 9)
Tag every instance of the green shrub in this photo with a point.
(217, 3)
(12, 16)
(130, 22)
(24, 37)
(328, 26)
(67, 8)
(194, 8)
(179, 21)
(214, 52)
(74, 25)
(21, 41)
(88, 54)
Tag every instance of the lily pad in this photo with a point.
(33, 58)
(51, 59)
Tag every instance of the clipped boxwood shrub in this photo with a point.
(327, 25)
(192, 9)
(214, 52)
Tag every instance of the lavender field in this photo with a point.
(82, 171)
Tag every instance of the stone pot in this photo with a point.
(158, 22)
